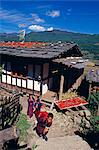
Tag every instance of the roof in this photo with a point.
(36, 49)
(75, 62)
(93, 76)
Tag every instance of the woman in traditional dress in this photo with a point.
(31, 105)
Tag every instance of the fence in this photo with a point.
(9, 110)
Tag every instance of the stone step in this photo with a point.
(47, 103)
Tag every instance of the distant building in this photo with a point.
(93, 78)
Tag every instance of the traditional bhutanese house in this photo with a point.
(38, 67)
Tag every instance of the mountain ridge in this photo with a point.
(48, 36)
(87, 42)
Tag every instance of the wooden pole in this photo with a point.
(98, 110)
(90, 88)
(61, 86)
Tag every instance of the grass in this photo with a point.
(23, 126)
(34, 147)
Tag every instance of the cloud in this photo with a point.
(69, 9)
(12, 16)
(22, 25)
(22, 20)
(68, 13)
(38, 28)
(37, 18)
(53, 13)
(50, 29)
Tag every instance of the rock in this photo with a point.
(78, 121)
(88, 118)
(61, 124)
(75, 119)
(81, 113)
(81, 129)
(83, 121)
(22, 143)
(67, 113)
(68, 117)
(63, 143)
(87, 113)
(87, 124)
(66, 123)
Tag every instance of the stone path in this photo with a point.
(63, 143)
(57, 136)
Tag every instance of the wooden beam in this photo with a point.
(1, 66)
(98, 110)
(90, 88)
(6, 70)
(33, 76)
(41, 79)
(61, 86)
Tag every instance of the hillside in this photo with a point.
(87, 42)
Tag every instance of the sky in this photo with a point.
(38, 16)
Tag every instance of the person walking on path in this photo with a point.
(38, 106)
(44, 122)
(31, 106)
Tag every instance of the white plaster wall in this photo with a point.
(36, 86)
(3, 70)
(13, 81)
(23, 83)
(3, 78)
(30, 84)
(19, 82)
(44, 87)
(8, 79)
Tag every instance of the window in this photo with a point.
(30, 70)
(19, 68)
(37, 71)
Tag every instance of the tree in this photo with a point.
(94, 103)
(91, 135)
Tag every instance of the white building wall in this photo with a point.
(3, 78)
(18, 81)
(44, 86)
(8, 79)
(13, 81)
(30, 84)
(36, 86)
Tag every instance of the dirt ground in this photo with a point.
(61, 135)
